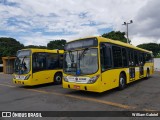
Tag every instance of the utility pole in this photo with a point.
(127, 23)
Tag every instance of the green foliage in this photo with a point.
(56, 44)
(154, 47)
(9, 47)
(116, 35)
(35, 46)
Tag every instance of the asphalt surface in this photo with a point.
(142, 95)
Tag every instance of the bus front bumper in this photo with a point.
(85, 87)
(21, 82)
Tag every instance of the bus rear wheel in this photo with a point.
(122, 81)
(58, 78)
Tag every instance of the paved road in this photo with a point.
(143, 95)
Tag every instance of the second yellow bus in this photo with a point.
(38, 66)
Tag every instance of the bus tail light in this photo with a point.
(93, 79)
(27, 77)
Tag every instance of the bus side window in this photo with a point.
(148, 58)
(141, 60)
(106, 56)
(117, 56)
(124, 57)
(39, 62)
(144, 58)
(52, 61)
(61, 61)
(131, 58)
(136, 58)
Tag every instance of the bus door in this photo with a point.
(108, 76)
(141, 65)
(131, 65)
(40, 75)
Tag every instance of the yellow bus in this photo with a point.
(38, 66)
(99, 64)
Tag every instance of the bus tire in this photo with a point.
(58, 78)
(122, 81)
(147, 74)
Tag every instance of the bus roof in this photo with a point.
(117, 42)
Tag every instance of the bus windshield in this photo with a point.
(81, 62)
(22, 62)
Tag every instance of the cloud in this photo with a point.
(146, 26)
(147, 20)
(38, 21)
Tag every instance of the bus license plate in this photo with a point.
(19, 82)
(76, 87)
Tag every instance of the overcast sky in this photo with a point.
(39, 21)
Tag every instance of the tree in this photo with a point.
(56, 44)
(154, 47)
(35, 46)
(116, 35)
(9, 47)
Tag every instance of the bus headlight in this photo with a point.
(27, 77)
(65, 79)
(93, 79)
(14, 77)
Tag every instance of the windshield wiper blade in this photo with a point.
(83, 52)
(21, 65)
(71, 56)
(78, 72)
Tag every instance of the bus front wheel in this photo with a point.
(58, 78)
(122, 81)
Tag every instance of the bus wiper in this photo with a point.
(17, 64)
(82, 54)
(22, 66)
(78, 72)
(71, 56)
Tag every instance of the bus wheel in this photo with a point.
(122, 81)
(147, 74)
(58, 78)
